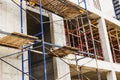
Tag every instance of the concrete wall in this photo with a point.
(10, 16)
(61, 69)
(107, 7)
(10, 22)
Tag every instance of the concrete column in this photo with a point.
(10, 22)
(62, 70)
(111, 75)
(105, 40)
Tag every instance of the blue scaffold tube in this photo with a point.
(43, 45)
(21, 26)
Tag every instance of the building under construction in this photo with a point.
(59, 40)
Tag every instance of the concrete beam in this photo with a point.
(37, 10)
(89, 62)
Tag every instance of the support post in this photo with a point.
(43, 45)
(29, 64)
(21, 27)
(105, 40)
(111, 75)
(61, 69)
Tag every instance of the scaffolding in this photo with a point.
(114, 34)
(78, 35)
(82, 35)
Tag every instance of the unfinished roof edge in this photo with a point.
(63, 8)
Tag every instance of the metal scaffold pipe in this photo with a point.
(21, 27)
(93, 41)
(43, 45)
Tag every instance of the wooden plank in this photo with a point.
(64, 51)
(9, 45)
(63, 8)
(16, 34)
(17, 40)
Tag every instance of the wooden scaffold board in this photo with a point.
(63, 51)
(17, 40)
(63, 8)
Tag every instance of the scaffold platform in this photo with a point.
(17, 40)
(63, 8)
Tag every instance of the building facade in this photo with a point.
(96, 34)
